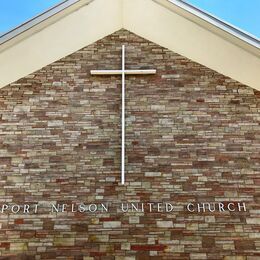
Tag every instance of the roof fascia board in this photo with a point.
(200, 17)
(214, 24)
(40, 22)
(217, 22)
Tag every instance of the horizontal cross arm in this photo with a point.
(106, 72)
(120, 72)
(132, 72)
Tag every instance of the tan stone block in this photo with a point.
(146, 185)
(198, 256)
(102, 238)
(71, 167)
(41, 249)
(175, 248)
(16, 178)
(158, 107)
(62, 227)
(229, 246)
(255, 235)
(202, 178)
(153, 174)
(55, 123)
(18, 247)
(246, 91)
(125, 258)
(230, 194)
(112, 224)
(21, 108)
(16, 160)
(125, 246)
(192, 226)
(221, 87)
(95, 221)
(134, 220)
(64, 241)
(235, 258)
(153, 253)
(164, 224)
(253, 221)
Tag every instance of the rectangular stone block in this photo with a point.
(112, 224)
(164, 224)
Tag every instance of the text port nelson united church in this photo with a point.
(129, 130)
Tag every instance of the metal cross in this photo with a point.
(122, 72)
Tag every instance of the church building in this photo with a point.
(129, 130)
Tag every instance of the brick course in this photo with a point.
(192, 135)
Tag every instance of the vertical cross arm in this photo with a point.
(123, 119)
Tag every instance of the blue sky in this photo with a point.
(16, 12)
(244, 14)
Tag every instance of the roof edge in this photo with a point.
(38, 19)
(201, 16)
(246, 36)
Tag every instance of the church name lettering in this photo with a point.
(216, 207)
(122, 207)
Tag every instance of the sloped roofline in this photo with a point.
(36, 20)
(27, 25)
(172, 24)
(213, 20)
(221, 24)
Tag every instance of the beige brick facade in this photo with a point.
(192, 136)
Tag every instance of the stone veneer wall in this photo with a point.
(192, 135)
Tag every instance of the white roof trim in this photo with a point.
(223, 25)
(36, 20)
(40, 21)
(173, 24)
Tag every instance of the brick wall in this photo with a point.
(192, 136)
